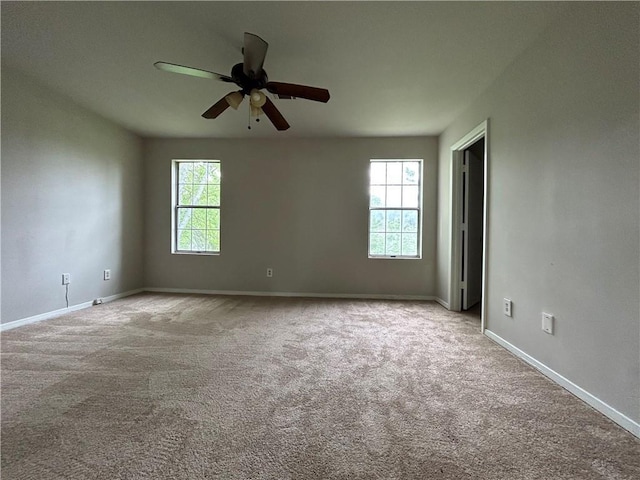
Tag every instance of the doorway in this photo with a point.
(472, 226)
(469, 174)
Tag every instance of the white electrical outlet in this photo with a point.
(506, 307)
(547, 323)
(269, 272)
(107, 274)
(66, 278)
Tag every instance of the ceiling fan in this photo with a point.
(251, 78)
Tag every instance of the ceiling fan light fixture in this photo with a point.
(234, 99)
(256, 111)
(257, 98)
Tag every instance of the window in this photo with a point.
(196, 212)
(394, 208)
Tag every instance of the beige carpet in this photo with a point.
(192, 387)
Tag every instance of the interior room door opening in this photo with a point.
(469, 202)
(472, 226)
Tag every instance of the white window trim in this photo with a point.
(174, 208)
(420, 208)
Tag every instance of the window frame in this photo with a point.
(385, 208)
(176, 206)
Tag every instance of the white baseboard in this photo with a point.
(111, 298)
(607, 410)
(442, 302)
(62, 311)
(370, 296)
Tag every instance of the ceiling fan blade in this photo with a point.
(274, 115)
(255, 51)
(299, 91)
(217, 108)
(193, 72)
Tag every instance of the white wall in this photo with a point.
(299, 206)
(563, 200)
(71, 202)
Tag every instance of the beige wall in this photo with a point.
(299, 206)
(71, 202)
(563, 200)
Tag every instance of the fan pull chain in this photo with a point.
(257, 117)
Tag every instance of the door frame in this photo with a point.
(457, 156)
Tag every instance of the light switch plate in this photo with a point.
(506, 307)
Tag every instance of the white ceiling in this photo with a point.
(393, 68)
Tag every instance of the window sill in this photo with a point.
(392, 257)
(206, 254)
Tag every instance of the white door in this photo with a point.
(472, 234)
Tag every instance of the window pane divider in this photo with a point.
(415, 209)
(197, 206)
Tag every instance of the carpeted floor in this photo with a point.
(191, 387)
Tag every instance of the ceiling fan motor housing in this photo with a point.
(245, 82)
